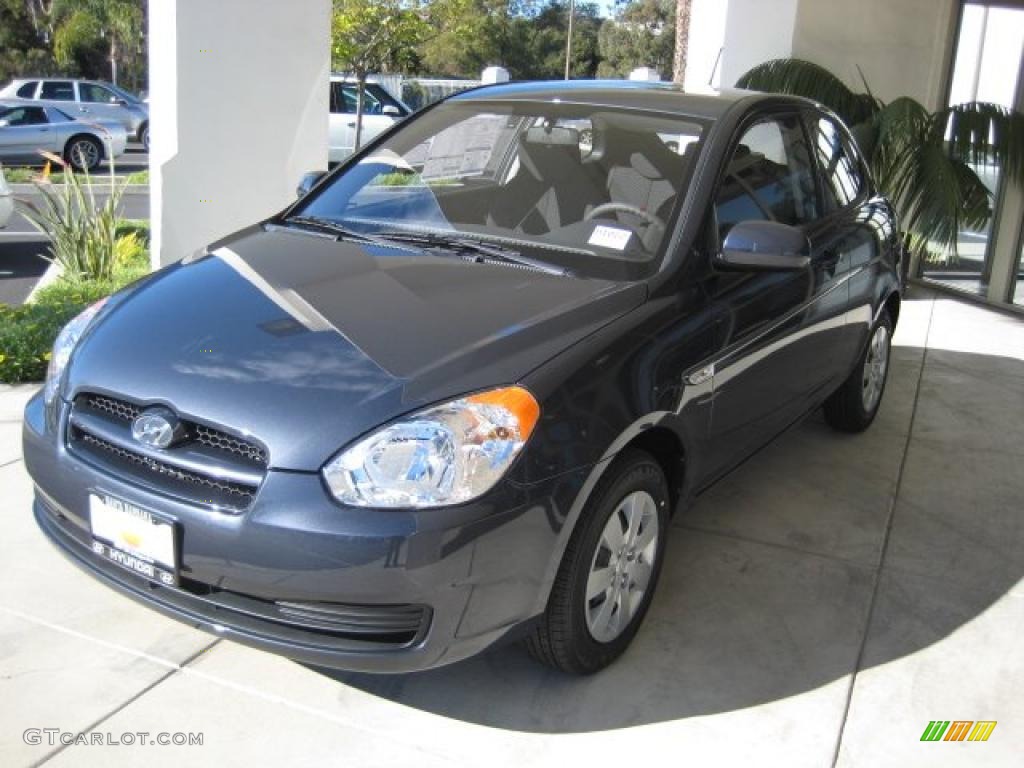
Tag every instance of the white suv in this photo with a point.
(381, 110)
(86, 100)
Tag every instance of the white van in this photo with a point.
(381, 110)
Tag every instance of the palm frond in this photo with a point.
(939, 195)
(981, 133)
(804, 78)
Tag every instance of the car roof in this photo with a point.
(709, 104)
(50, 79)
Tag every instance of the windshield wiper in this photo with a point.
(326, 225)
(481, 250)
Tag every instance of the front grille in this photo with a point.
(225, 442)
(116, 408)
(209, 467)
(214, 438)
(208, 489)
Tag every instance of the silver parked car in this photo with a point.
(28, 127)
(87, 100)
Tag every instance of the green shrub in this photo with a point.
(27, 334)
(138, 177)
(82, 231)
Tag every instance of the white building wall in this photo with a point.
(903, 47)
(757, 31)
(239, 104)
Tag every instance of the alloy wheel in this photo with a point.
(876, 363)
(621, 568)
(84, 154)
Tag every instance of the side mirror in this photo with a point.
(391, 109)
(118, 102)
(764, 246)
(308, 181)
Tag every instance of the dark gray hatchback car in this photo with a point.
(453, 394)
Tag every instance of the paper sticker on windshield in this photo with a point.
(610, 237)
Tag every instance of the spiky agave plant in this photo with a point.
(82, 229)
(923, 161)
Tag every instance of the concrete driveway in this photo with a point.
(819, 608)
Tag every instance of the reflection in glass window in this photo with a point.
(768, 178)
(842, 177)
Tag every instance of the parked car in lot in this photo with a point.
(455, 393)
(6, 201)
(87, 100)
(27, 127)
(381, 110)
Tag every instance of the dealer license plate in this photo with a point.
(133, 538)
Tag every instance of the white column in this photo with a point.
(238, 111)
(756, 31)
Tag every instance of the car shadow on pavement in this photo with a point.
(772, 574)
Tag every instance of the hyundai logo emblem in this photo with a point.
(157, 427)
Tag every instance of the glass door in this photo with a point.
(985, 68)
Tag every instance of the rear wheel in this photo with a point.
(609, 571)
(853, 406)
(84, 153)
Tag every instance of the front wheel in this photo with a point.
(144, 136)
(608, 573)
(84, 153)
(853, 406)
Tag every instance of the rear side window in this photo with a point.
(769, 177)
(843, 180)
(28, 90)
(56, 91)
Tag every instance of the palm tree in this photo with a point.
(682, 46)
(923, 161)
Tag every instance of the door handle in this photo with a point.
(351, 125)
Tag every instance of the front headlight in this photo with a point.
(446, 454)
(64, 346)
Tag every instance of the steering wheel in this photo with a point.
(606, 208)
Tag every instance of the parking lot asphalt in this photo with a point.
(820, 606)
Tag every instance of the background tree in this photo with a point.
(923, 161)
(84, 26)
(642, 34)
(369, 36)
(24, 48)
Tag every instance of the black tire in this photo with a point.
(562, 639)
(144, 136)
(83, 160)
(846, 409)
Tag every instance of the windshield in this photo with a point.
(590, 189)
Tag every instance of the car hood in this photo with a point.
(305, 343)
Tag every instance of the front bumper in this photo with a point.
(479, 571)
